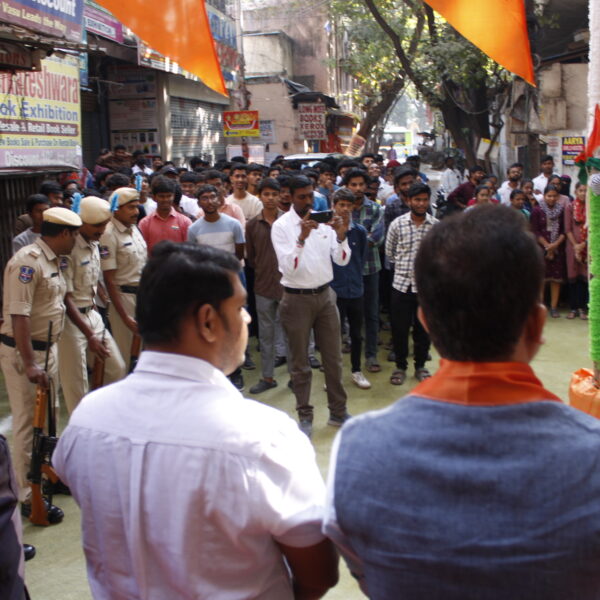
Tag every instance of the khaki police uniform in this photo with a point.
(82, 275)
(123, 250)
(34, 286)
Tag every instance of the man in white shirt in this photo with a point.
(514, 174)
(188, 490)
(303, 248)
(251, 206)
(541, 181)
(139, 163)
(451, 177)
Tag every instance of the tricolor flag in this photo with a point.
(497, 27)
(178, 29)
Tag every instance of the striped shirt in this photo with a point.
(401, 246)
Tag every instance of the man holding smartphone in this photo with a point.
(303, 248)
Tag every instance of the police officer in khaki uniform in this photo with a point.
(34, 290)
(84, 334)
(123, 254)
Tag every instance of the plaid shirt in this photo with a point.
(401, 245)
(370, 216)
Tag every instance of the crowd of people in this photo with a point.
(321, 254)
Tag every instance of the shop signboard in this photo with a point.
(267, 132)
(241, 123)
(312, 120)
(57, 18)
(40, 116)
(103, 24)
(572, 147)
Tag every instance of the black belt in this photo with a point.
(36, 344)
(305, 292)
(85, 309)
(129, 289)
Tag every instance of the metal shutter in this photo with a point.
(197, 130)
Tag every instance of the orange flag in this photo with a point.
(497, 27)
(178, 29)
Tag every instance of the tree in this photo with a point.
(419, 47)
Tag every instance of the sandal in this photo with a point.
(583, 315)
(398, 377)
(554, 313)
(572, 314)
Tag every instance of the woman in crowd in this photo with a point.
(577, 268)
(517, 201)
(547, 224)
(482, 196)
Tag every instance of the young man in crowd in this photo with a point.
(303, 249)
(401, 246)
(177, 425)
(494, 484)
(451, 177)
(219, 231)
(251, 206)
(35, 206)
(165, 223)
(547, 169)
(326, 184)
(267, 284)
(397, 205)
(370, 215)
(348, 281)
(53, 191)
(255, 175)
(513, 182)
(189, 183)
(459, 198)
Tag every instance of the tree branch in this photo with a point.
(431, 23)
(397, 43)
(416, 38)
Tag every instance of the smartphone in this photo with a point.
(321, 216)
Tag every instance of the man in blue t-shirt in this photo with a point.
(480, 484)
(214, 228)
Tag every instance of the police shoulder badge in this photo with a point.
(104, 252)
(26, 274)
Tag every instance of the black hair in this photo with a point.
(551, 188)
(268, 184)
(284, 180)
(273, 168)
(116, 181)
(238, 166)
(119, 147)
(195, 161)
(255, 167)
(342, 194)
(34, 200)
(476, 169)
(55, 229)
(352, 173)
(503, 277)
(515, 166)
(239, 159)
(368, 155)
(50, 187)
(222, 164)
(298, 182)
(213, 174)
(403, 172)
(189, 177)
(162, 185)
(348, 162)
(324, 167)
(546, 158)
(418, 188)
(177, 195)
(177, 280)
(514, 193)
(137, 153)
(312, 173)
(479, 188)
(206, 188)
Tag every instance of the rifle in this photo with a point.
(136, 346)
(98, 371)
(43, 447)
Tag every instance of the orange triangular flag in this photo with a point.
(497, 27)
(178, 29)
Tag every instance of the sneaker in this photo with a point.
(262, 386)
(238, 380)
(249, 364)
(422, 374)
(338, 421)
(360, 380)
(280, 360)
(305, 427)
(314, 362)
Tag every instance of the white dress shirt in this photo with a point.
(185, 486)
(308, 266)
(450, 179)
(540, 182)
